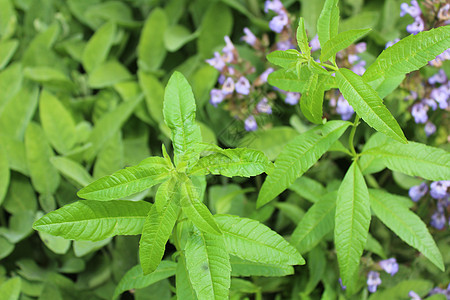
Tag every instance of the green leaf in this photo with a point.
(10, 83)
(308, 188)
(251, 240)
(302, 38)
(108, 74)
(194, 209)
(44, 176)
(402, 289)
(245, 268)
(311, 101)
(177, 36)
(82, 248)
(109, 125)
(15, 152)
(49, 76)
(414, 159)
(233, 162)
(10, 289)
(217, 22)
(290, 80)
(6, 247)
(367, 104)
(71, 170)
(4, 174)
(208, 264)
(154, 95)
(111, 158)
(21, 195)
(125, 182)
(310, 10)
(365, 19)
(284, 59)
(406, 224)
(135, 278)
(8, 19)
(409, 54)
(340, 42)
(328, 22)
(315, 224)
(374, 246)
(298, 156)
(56, 244)
(179, 115)
(57, 122)
(151, 50)
(368, 163)
(183, 284)
(158, 226)
(351, 224)
(98, 46)
(95, 220)
(7, 50)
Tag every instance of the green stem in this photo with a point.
(352, 136)
(334, 68)
(175, 233)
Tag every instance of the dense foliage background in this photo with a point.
(82, 87)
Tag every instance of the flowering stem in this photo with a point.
(352, 136)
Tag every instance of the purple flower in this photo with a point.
(389, 265)
(217, 62)
(263, 106)
(250, 123)
(292, 98)
(352, 58)
(228, 86)
(274, 5)
(221, 79)
(443, 13)
(439, 77)
(359, 68)
(441, 95)
(216, 97)
(228, 50)
(343, 287)
(361, 47)
(249, 37)
(430, 128)
(265, 74)
(413, 10)
(418, 191)
(430, 103)
(243, 86)
(390, 43)
(278, 22)
(414, 296)
(419, 112)
(285, 45)
(314, 43)
(344, 108)
(438, 189)
(416, 27)
(373, 281)
(438, 220)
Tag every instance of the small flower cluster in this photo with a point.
(435, 291)
(390, 266)
(439, 190)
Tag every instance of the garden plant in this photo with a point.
(150, 150)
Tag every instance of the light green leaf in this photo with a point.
(95, 220)
(6, 247)
(10, 82)
(328, 22)
(233, 162)
(401, 290)
(151, 50)
(310, 10)
(308, 188)
(177, 36)
(245, 268)
(284, 59)
(340, 42)
(351, 224)
(109, 125)
(8, 19)
(406, 224)
(311, 101)
(367, 104)
(302, 38)
(82, 248)
(368, 163)
(183, 284)
(15, 152)
(4, 174)
(289, 80)
(7, 50)
(49, 76)
(374, 246)
(10, 289)
(135, 278)
(194, 209)
(21, 195)
(71, 170)
(208, 265)
(108, 74)
(411, 53)
(98, 46)
(217, 22)
(414, 159)
(315, 224)
(57, 122)
(19, 226)
(111, 158)
(154, 95)
(125, 182)
(179, 115)
(251, 240)
(158, 226)
(44, 176)
(298, 156)
(365, 19)
(56, 244)
(115, 11)
(317, 264)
